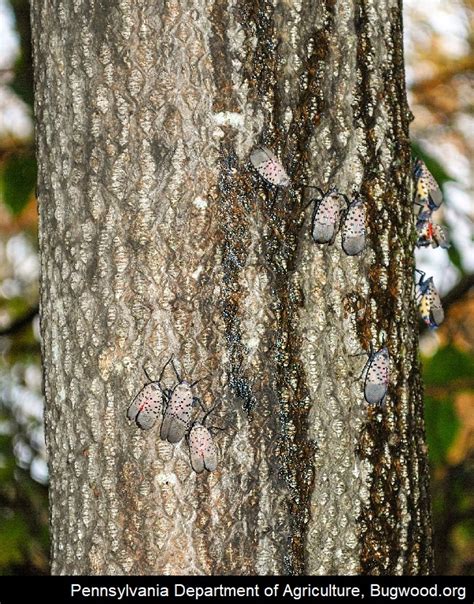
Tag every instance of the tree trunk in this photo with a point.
(158, 238)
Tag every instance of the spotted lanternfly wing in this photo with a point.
(147, 406)
(353, 229)
(178, 413)
(269, 167)
(440, 237)
(202, 450)
(327, 217)
(429, 303)
(377, 377)
(427, 189)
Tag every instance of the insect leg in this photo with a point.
(318, 189)
(197, 401)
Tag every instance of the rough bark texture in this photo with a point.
(157, 238)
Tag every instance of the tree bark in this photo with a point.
(157, 238)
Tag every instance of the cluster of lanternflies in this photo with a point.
(333, 212)
(175, 408)
(428, 198)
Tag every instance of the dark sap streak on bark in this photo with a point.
(221, 58)
(377, 555)
(420, 532)
(233, 193)
(283, 222)
(384, 516)
(297, 450)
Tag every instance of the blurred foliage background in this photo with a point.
(440, 76)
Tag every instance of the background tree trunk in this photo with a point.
(157, 238)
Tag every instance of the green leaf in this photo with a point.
(456, 258)
(23, 82)
(447, 365)
(442, 425)
(18, 181)
(13, 536)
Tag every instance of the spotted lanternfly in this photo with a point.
(430, 233)
(440, 237)
(202, 450)
(327, 217)
(377, 376)
(427, 190)
(429, 302)
(353, 228)
(269, 167)
(178, 412)
(147, 406)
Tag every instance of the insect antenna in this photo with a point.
(346, 199)
(164, 367)
(148, 377)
